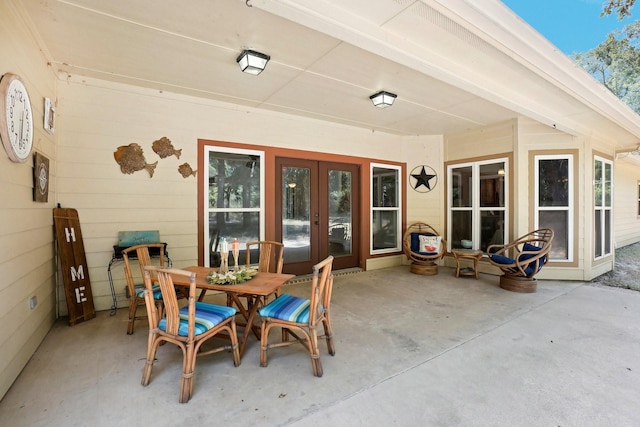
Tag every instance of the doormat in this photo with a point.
(307, 277)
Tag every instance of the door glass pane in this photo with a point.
(296, 230)
(384, 229)
(340, 217)
(492, 185)
(462, 187)
(492, 223)
(244, 226)
(553, 182)
(557, 221)
(461, 228)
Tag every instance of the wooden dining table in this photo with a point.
(256, 291)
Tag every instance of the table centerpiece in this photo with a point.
(232, 277)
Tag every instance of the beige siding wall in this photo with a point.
(481, 142)
(426, 207)
(95, 117)
(26, 237)
(625, 202)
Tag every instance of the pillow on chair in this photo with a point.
(416, 242)
(429, 244)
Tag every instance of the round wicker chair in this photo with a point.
(423, 262)
(521, 260)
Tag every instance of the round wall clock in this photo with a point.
(423, 176)
(16, 118)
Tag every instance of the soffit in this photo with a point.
(327, 58)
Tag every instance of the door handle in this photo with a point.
(317, 218)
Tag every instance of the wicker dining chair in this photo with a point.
(304, 316)
(187, 327)
(270, 260)
(522, 259)
(270, 255)
(136, 290)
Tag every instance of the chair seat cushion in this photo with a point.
(427, 254)
(287, 307)
(207, 316)
(157, 294)
(501, 259)
(505, 260)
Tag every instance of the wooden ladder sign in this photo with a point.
(73, 264)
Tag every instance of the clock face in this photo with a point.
(16, 118)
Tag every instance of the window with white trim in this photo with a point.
(603, 210)
(477, 204)
(553, 202)
(234, 199)
(386, 208)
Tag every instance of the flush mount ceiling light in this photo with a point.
(383, 99)
(252, 62)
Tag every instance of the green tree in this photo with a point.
(616, 61)
(622, 7)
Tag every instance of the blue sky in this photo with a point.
(571, 25)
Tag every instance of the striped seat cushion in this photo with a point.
(157, 294)
(207, 316)
(287, 307)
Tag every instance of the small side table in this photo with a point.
(469, 254)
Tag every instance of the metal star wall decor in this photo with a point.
(423, 178)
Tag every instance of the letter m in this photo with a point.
(76, 274)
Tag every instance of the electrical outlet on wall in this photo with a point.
(33, 301)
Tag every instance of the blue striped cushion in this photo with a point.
(157, 294)
(287, 307)
(207, 316)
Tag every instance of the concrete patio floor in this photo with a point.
(410, 351)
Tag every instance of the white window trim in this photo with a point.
(604, 208)
(397, 208)
(570, 208)
(475, 207)
(208, 210)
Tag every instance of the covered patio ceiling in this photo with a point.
(454, 65)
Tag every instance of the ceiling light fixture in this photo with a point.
(252, 62)
(383, 99)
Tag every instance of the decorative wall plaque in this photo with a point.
(423, 178)
(40, 178)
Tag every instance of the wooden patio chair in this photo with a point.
(187, 327)
(423, 246)
(522, 259)
(136, 290)
(271, 255)
(270, 260)
(304, 316)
